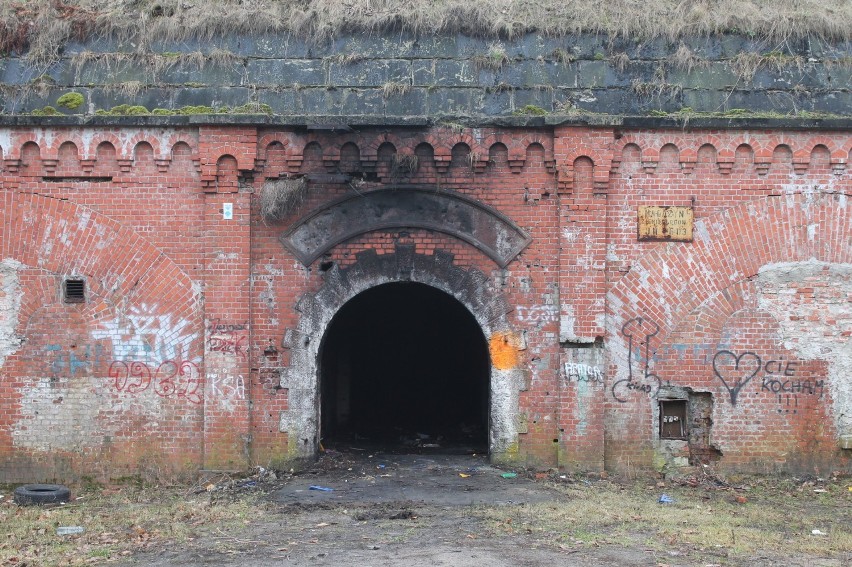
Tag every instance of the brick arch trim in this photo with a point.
(671, 281)
(63, 238)
(470, 287)
(481, 226)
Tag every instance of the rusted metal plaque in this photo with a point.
(665, 223)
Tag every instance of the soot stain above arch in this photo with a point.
(447, 212)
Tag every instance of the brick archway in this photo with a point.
(470, 287)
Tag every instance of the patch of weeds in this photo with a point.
(90, 484)
(620, 61)
(650, 89)
(41, 85)
(455, 127)
(599, 56)
(747, 64)
(280, 197)
(530, 110)
(404, 165)
(492, 60)
(46, 111)
(118, 523)
(392, 88)
(71, 101)
(562, 56)
(194, 109)
(194, 85)
(124, 110)
(162, 112)
(252, 108)
(684, 59)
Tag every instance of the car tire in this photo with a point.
(30, 494)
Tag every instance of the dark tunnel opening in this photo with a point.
(405, 367)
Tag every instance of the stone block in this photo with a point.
(435, 46)
(444, 73)
(444, 101)
(414, 102)
(604, 74)
(369, 73)
(834, 102)
(112, 69)
(212, 96)
(541, 98)
(788, 76)
(281, 101)
(150, 98)
(710, 76)
(521, 74)
(495, 104)
(183, 72)
(391, 46)
(286, 72)
(357, 102)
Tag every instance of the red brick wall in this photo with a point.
(172, 363)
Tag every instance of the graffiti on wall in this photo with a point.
(638, 331)
(778, 377)
(228, 390)
(170, 379)
(579, 372)
(145, 335)
(228, 338)
(538, 314)
(70, 361)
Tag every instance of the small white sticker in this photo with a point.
(227, 211)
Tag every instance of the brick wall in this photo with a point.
(189, 350)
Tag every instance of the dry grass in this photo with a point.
(705, 523)
(280, 197)
(44, 26)
(117, 523)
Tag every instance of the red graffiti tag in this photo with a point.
(230, 344)
(171, 378)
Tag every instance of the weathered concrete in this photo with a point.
(444, 76)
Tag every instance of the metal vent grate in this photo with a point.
(75, 291)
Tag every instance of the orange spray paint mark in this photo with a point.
(504, 350)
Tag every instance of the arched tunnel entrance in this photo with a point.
(404, 366)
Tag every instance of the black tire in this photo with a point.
(30, 494)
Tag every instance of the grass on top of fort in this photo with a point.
(43, 27)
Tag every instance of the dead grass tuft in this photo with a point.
(393, 88)
(404, 165)
(42, 27)
(684, 59)
(280, 197)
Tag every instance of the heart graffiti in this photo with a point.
(727, 363)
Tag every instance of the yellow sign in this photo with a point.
(665, 223)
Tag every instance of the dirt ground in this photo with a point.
(432, 509)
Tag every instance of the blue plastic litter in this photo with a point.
(666, 499)
(321, 488)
